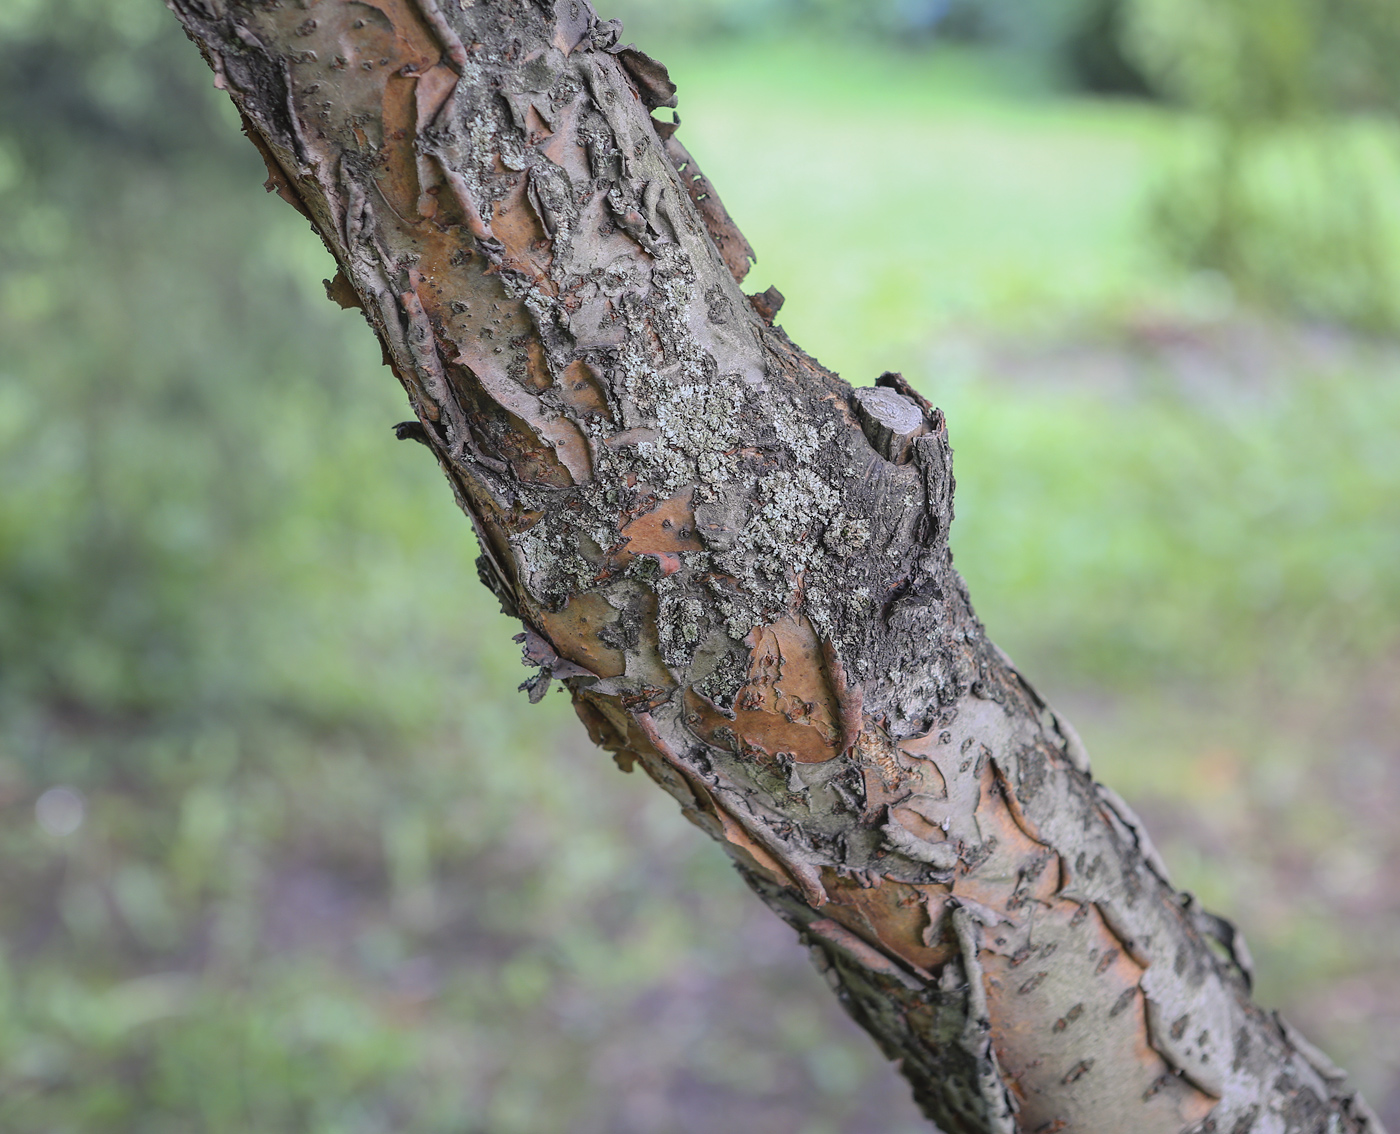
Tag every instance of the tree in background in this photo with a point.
(1292, 195)
(739, 567)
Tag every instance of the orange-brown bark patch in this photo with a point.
(515, 224)
(834, 934)
(892, 914)
(1019, 872)
(786, 707)
(669, 528)
(573, 632)
(581, 389)
(917, 824)
(386, 52)
(786, 683)
(536, 373)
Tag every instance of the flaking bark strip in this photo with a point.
(733, 248)
(977, 1030)
(445, 32)
(837, 936)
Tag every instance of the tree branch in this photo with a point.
(739, 565)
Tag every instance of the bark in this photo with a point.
(739, 566)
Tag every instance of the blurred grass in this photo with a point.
(947, 193)
(336, 876)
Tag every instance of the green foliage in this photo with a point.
(1053, 42)
(1293, 196)
(740, 18)
(1251, 60)
(1239, 530)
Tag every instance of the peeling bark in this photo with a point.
(739, 566)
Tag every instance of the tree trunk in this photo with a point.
(739, 566)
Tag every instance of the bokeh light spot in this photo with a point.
(60, 811)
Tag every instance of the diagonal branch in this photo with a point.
(739, 565)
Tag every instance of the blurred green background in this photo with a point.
(281, 847)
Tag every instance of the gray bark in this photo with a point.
(739, 566)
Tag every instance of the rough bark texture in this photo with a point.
(739, 566)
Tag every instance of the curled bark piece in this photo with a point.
(341, 292)
(734, 249)
(767, 304)
(652, 79)
(445, 32)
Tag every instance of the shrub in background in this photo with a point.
(1290, 192)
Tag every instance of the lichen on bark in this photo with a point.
(739, 566)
